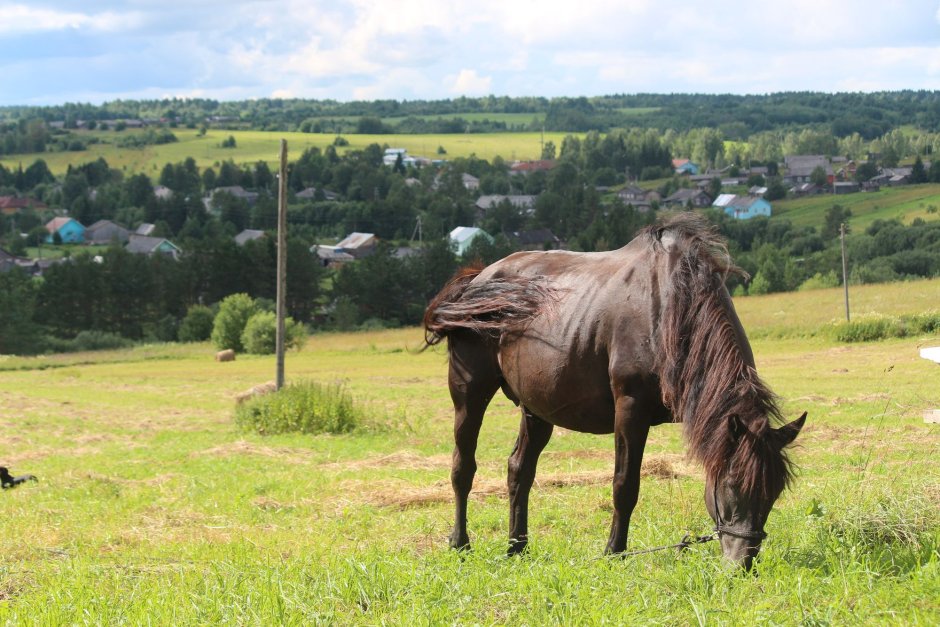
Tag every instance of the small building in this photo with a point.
(70, 230)
(248, 235)
(845, 187)
(105, 232)
(685, 166)
(683, 197)
(528, 167)
(358, 245)
(145, 228)
(535, 239)
(236, 191)
(315, 193)
(470, 182)
(330, 256)
(463, 236)
(631, 193)
(806, 189)
(14, 204)
(523, 202)
(144, 245)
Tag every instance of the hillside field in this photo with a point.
(153, 507)
(904, 203)
(254, 146)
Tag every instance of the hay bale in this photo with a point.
(227, 355)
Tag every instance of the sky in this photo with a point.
(57, 51)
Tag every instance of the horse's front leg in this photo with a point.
(534, 434)
(630, 432)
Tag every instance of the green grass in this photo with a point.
(903, 203)
(154, 507)
(254, 146)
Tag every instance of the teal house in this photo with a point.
(742, 207)
(70, 231)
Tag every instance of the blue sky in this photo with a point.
(56, 51)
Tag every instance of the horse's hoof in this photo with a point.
(459, 544)
(517, 547)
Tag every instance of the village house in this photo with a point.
(14, 204)
(144, 245)
(331, 256)
(742, 207)
(800, 168)
(314, 193)
(685, 166)
(535, 239)
(70, 231)
(528, 167)
(106, 232)
(686, 197)
(358, 245)
(248, 235)
(462, 236)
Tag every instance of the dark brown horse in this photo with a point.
(616, 342)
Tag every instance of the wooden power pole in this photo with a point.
(845, 274)
(281, 261)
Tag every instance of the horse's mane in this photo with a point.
(707, 377)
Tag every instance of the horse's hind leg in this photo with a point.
(473, 380)
(534, 434)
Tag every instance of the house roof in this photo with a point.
(15, 203)
(330, 253)
(684, 194)
(533, 166)
(521, 201)
(357, 240)
(143, 244)
(56, 224)
(100, 224)
(465, 233)
(248, 235)
(145, 228)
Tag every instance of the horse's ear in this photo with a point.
(788, 432)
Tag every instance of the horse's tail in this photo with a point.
(489, 307)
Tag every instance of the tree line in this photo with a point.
(142, 297)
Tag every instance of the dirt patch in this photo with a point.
(242, 447)
(400, 460)
(404, 496)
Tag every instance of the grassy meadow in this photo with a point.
(254, 146)
(903, 203)
(152, 507)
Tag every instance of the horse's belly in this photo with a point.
(576, 397)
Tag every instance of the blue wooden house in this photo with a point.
(742, 207)
(685, 166)
(70, 231)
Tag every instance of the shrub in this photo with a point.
(820, 281)
(877, 327)
(305, 407)
(234, 312)
(260, 334)
(88, 341)
(197, 325)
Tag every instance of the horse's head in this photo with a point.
(740, 514)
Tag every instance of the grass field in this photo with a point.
(903, 203)
(254, 146)
(152, 507)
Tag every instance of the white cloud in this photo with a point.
(469, 83)
(20, 18)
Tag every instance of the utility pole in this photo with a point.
(845, 274)
(281, 262)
